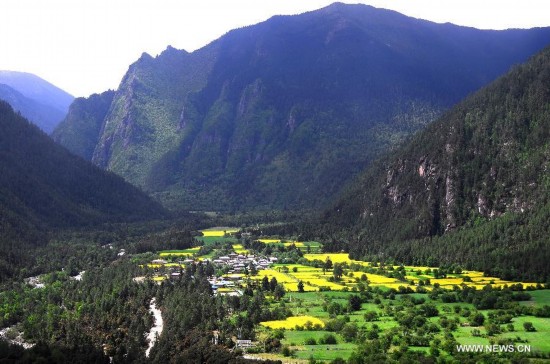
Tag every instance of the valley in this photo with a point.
(272, 298)
(345, 185)
(330, 303)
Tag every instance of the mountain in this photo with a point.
(80, 129)
(38, 100)
(43, 186)
(37, 89)
(44, 116)
(472, 188)
(283, 113)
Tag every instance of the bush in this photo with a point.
(477, 319)
(370, 316)
(349, 331)
(528, 326)
(328, 339)
(310, 341)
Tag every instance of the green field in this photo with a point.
(540, 298)
(315, 304)
(214, 239)
(393, 305)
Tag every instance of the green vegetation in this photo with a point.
(80, 129)
(472, 189)
(447, 237)
(45, 187)
(375, 304)
(411, 323)
(280, 321)
(282, 114)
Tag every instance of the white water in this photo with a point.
(78, 277)
(18, 340)
(158, 325)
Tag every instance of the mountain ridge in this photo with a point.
(44, 116)
(468, 189)
(46, 187)
(283, 113)
(38, 100)
(36, 88)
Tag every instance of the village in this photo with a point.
(236, 267)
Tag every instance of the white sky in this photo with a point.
(86, 46)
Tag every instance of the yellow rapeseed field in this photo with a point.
(297, 244)
(175, 254)
(218, 231)
(179, 253)
(269, 241)
(334, 257)
(239, 249)
(280, 277)
(292, 322)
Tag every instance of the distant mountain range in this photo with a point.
(36, 99)
(471, 189)
(284, 113)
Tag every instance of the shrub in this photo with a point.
(528, 326)
(370, 316)
(328, 339)
(310, 341)
(477, 319)
(349, 331)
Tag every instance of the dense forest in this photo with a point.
(103, 317)
(471, 188)
(44, 187)
(80, 129)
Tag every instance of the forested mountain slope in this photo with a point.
(283, 113)
(43, 186)
(80, 129)
(473, 188)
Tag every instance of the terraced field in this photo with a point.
(318, 298)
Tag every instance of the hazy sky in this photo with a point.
(86, 46)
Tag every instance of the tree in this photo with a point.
(477, 319)
(265, 283)
(338, 271)
(493, 329)
(300, 286)
(354, 302)
(273, 284)
(528, 326)
(349, 331)
(328, 339)
(279, 292)
(370, 316)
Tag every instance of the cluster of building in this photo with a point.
(238, 263)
